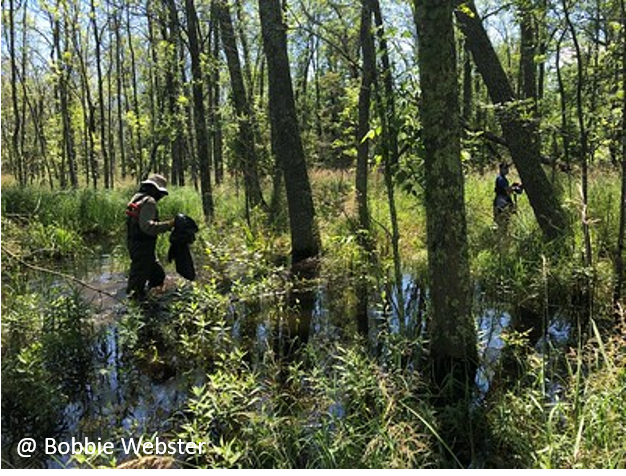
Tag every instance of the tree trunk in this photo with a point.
(215, 96)
(563, 105)
(619, 252)
(528, 51)
(286, 139)
(468, 86)
(16, 151)
(584, 143)
(367, 80)
(249, 167)
(67, 137)
(204, 152)
(528, 70)
(119, 88)
(172, 88)
(139, 165)
(89, 116)
(103, 134)
(387, 80)
(519, 135)
(453, 336)
(386, 111)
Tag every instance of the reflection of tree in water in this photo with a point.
(293, 326)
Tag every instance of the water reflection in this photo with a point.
(491, 324)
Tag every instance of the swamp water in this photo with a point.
(121, 396)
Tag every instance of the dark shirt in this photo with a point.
(502, 186)
(503, 198)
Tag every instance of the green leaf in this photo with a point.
(466, 10)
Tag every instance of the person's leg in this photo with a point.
(137, 278)
(157, 274)
(502, 216)
(141, 256)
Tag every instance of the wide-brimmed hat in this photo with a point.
(158, 181)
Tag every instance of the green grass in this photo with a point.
(581, 426)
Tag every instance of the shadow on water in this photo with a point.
(120, 396)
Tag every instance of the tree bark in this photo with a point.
(453, 336)
(286, 139)
(519, 134)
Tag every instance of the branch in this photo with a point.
(486, 134)
(59, 274)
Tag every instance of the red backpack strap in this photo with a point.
(134, 208)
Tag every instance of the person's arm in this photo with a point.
(147, 222)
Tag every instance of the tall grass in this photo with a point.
(579, 423)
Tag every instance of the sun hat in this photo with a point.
(158, 181)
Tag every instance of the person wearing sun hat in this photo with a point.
(142, 228)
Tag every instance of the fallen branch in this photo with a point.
(69, 277)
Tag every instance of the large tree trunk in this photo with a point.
(519, 134)
(453, 336)
(204, 153)
(286, 139)
(249, 167)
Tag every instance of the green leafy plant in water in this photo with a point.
(47, 360)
